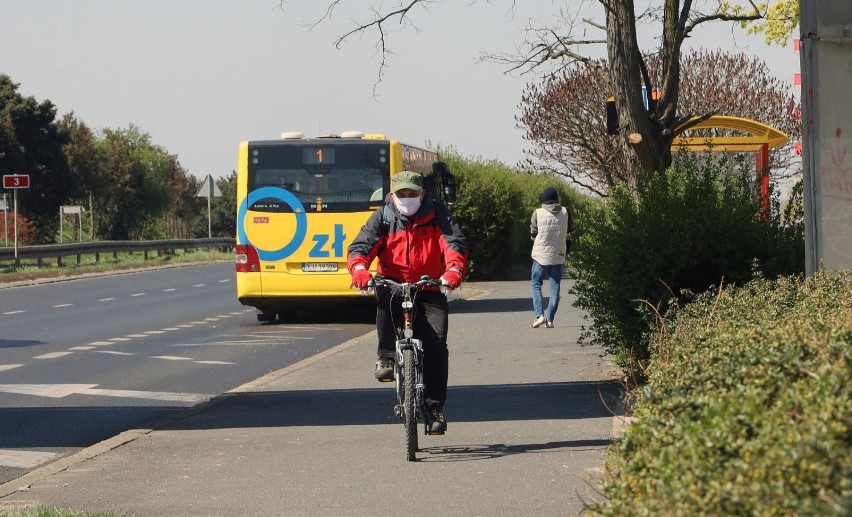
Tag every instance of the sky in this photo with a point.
(199, 76)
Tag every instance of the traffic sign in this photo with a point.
(16, 181)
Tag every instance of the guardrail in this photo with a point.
(39, 253)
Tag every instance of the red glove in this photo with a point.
(361, 277)
(451, 278)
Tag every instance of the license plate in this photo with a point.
(315, 267)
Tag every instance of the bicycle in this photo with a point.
(408, 368)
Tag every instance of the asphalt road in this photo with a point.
(84, 360)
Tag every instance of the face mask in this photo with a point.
(407, 205)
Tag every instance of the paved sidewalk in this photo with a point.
(527, 434)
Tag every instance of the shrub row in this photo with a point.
(494, 206)
(677, 233)
(748, 408)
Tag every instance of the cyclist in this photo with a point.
(412, 235)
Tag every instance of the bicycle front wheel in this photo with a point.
(409, 406)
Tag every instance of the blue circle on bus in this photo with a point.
(298, 209)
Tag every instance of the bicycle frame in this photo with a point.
(406, 341)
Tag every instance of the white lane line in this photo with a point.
(155, 395)
(138, 294)
(4, 367)
(14, 312)
(212, 362)
(169, 329)
(224, 281)
(119, 339)
(114, 352)
(184, 326)
(106, 299)
(64, 390)
(169, 290)
(52, 355)
(81, 348)
(101, 343)
(136, 335)
(63, 305)
(24, 459)
(199, 285)
(212, 318)
(171, 358)
(197, 322)
(155, 331)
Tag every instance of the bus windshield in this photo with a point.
(337, 177)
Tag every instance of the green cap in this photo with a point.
(406, 179)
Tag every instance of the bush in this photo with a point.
(494, 206)
(751, 414)
(681, 232)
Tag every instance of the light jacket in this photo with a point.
(550, 226)
(428, 243)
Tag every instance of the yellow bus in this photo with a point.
(301, 201)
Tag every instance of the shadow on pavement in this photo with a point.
(19, 343)
(496, 450)
(463, 306)
(346, 407)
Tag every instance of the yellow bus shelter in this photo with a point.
(760, 138)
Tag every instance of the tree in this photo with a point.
(648, 133)
(31, 142)
(564, 117)
(782, 17)
(136, 186)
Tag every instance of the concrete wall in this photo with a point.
(826, 55)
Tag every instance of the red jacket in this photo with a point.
(429, 243)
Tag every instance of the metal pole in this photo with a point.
(60, 225)
(15, 202)
(6, 219)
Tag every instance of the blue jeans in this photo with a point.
(539, 273)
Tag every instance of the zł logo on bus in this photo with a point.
(301, 227)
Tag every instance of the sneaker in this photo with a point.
(548, 324)
(439, 423)
(537, 322)
(384, 369)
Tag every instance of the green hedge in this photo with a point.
(678, 232)
(493, 208)
(748, 409)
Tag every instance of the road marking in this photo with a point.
(197, 322)
(119, 339)
(24, 459)
(171, 358)
(56, 391)
(170, 329)
(137, 335)
(138, 294)
(184, 326)
(198, 285)
(4, 367)
(64, 390)
(101, 343)
(114, 352)
(213, 362)
(14, 312)
(106, 299)
(63, 305)
(155, 331)
(224, 281)
(52, 355)
(169, 290)
(81, 348)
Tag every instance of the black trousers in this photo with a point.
(430, 326)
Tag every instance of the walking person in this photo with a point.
(411, 236)
(550, 226)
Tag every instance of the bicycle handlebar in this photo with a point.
(432, 282)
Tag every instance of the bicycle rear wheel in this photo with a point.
(409, 406)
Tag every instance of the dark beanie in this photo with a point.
(549, 194)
